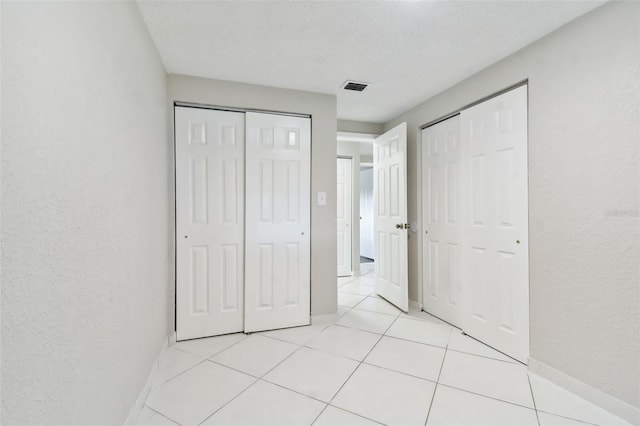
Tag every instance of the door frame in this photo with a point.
(353, 151)
(418, 193)
(174, 105)
(353, 215)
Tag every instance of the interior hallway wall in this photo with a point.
(360, 127)
(584, 94)
(322, 109)
(84, 211)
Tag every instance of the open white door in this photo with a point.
(441, 281)
(278, 261)
(390, 215)
(495, 224)
(209, 222)
(344, 201)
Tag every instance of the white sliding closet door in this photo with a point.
(277, 246)
(442, 293)
(209, 222)
(494, 223)
(344, 202)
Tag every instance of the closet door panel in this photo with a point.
(209, 149)
(495, 226)
(277, 256)
(441, 219)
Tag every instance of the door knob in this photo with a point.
(402, 226)
(517, 241)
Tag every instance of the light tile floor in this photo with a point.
(376, 365)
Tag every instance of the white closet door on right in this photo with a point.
(495, 277)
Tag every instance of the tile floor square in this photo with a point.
(386, 396)
(209, 346)
(497, 379)
(333, 416)
(423, 316)
(357, 287)
(367, 321)
(547, 419)
(343, 310)
(455, 407)
(296, 335)
(174, 362)
(412, 358)
(191, 397)
(344, 341)
(420, 331)
(313, 373)
(148, 417)
(255, 355)
(461, 343)
(349, 300)
(378, 304)
(553, 399)
(267, 404)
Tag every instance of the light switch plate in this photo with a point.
(322, 198)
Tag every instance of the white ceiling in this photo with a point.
(408, 50)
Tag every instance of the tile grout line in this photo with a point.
(206, 358)
(360, 363)
(251, 385)
(433, 397)
(485, 396)
(533, 398)
(228, 402)
(160, 414)
(569, 418)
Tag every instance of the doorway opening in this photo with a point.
(367, 248)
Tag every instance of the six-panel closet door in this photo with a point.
(495, 252)
(441, 242)
(278, 222)
(474, 214)
(242, 221)
(209, 150)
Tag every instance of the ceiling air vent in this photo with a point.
(355, 86)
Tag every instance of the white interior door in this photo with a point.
(344, 202)
(277, 245)
(441, 279)
(367, 248)
(495, 230)
(390, 213)
(209, 222)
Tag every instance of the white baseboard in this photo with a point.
(587, 392)
(324, 319)
(134, 413)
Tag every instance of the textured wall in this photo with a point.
(584, 94)
(84, 211)
(360, 127)
(322, 109)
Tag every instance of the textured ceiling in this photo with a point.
(407, 50)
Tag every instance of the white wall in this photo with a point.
(84, 211)
(360, 127)
(584, 86)
(322, 109)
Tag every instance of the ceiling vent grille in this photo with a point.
(355, 86)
